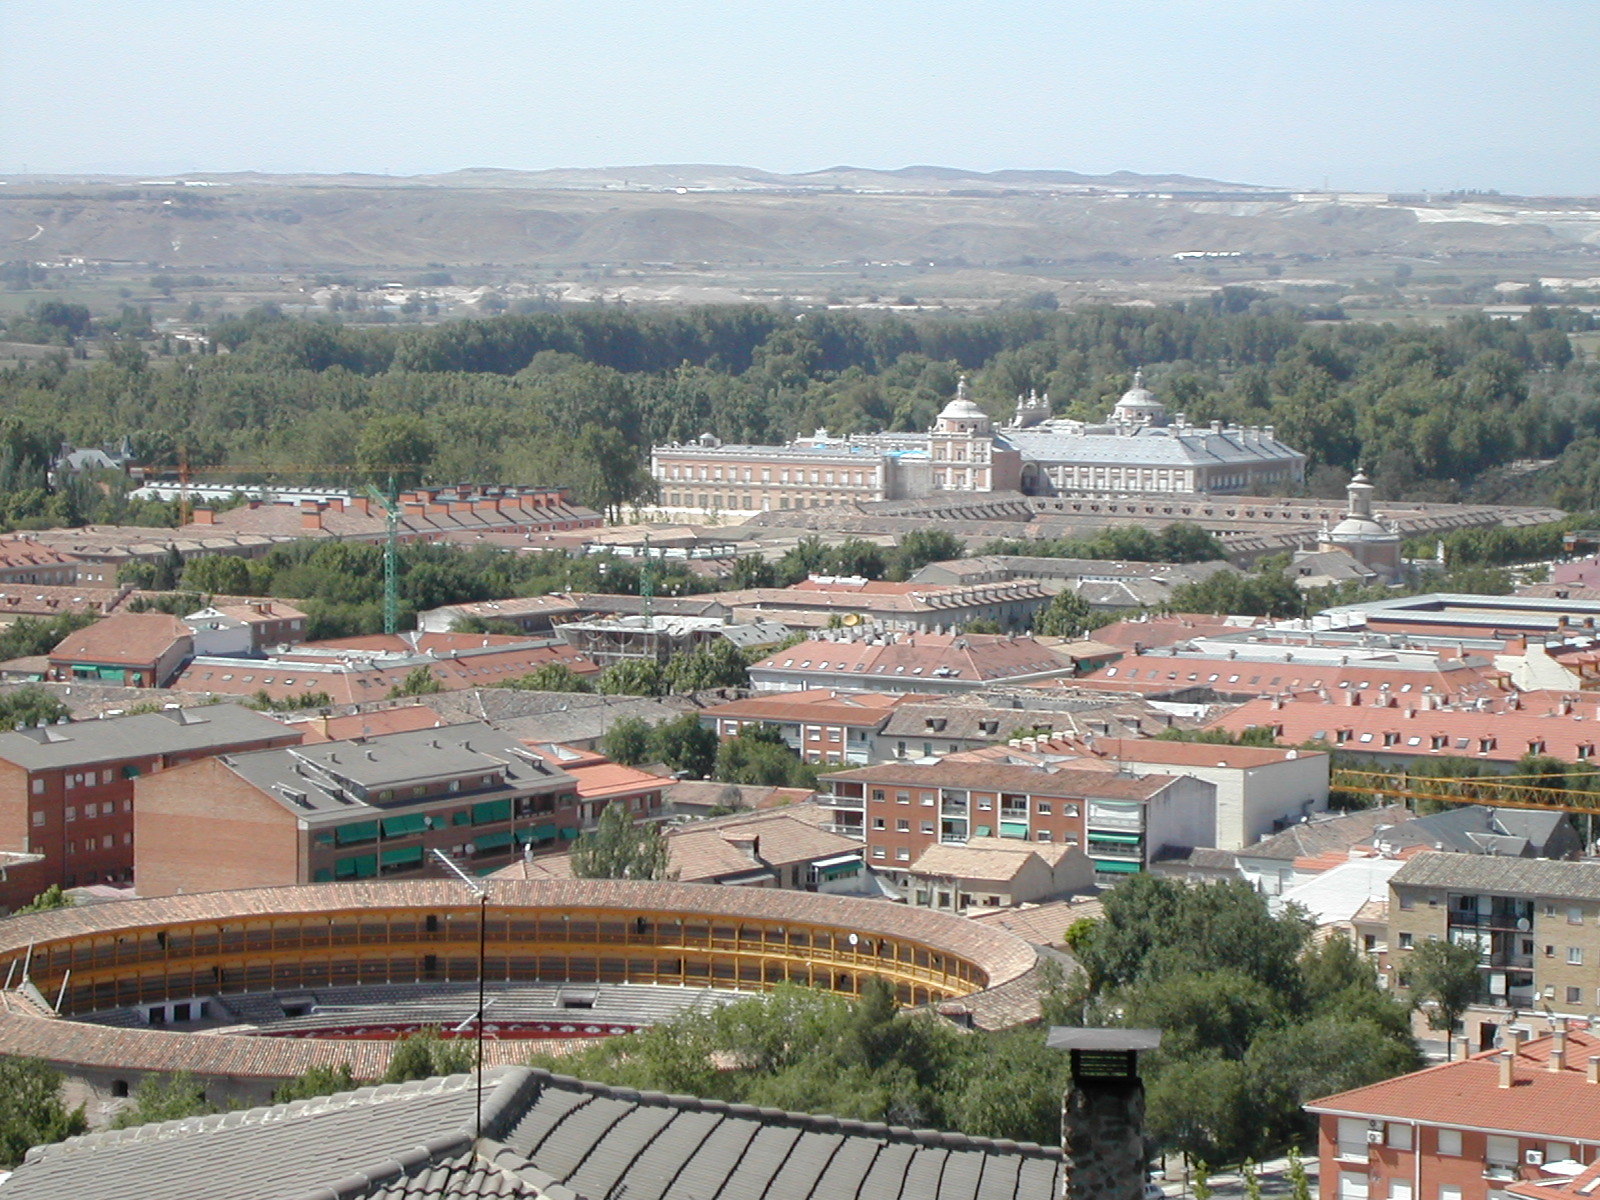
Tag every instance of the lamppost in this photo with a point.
(482, 893)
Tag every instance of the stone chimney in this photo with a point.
(1558, 1044)
(1102, 1115)
(1507, 1061)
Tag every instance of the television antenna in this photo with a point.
(477, 888)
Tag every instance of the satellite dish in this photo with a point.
(1523, 924)
(852, 618)
(854, 939)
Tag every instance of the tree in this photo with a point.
(165, 1098)
(424, 1054)
(31, 1109)
(419, 681)
(213, 574)
(551, 677)
(632, 677)
(1299, 1181)
(621, 848)
(1446, 975)
(686, 745)
(51, 897)
(1067, 615)
(31, 705)
(716, 665)
(627, 741)
(923, 546)
(29, 637)
(757, 754)
(612, 472)
(397, 447)
(318, 1081)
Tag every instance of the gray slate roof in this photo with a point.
(1501, 876)
(544, 1135)
(116, 738)
(1326, 835)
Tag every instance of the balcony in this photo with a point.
(849, 831)
(1134, 824)
(953, 808)
(829, 800)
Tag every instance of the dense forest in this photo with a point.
(576, 398)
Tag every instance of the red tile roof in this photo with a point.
(990, 776)
(1561, 1105)
(122, 639)
(814, 705)
(961, 657)
(1412, 732)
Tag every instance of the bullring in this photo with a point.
(140, 955)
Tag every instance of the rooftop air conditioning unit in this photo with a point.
(1534, 1158)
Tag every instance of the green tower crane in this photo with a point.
(391, 554)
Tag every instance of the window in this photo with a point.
(72, 782)
(1041, 835)
(902, 855)
(1400, 1189)
(1407, 900)
(1044, 808)
(38, 819)
(1549, 951)
(105, 776)
(1398, 1137)
(1502, 1153)
(38, 787)
(1574, 995)
(1450, 1144)
(1574, 916)
(902, 826)
(72, 813)
(902, 797)
(1449, 1191)
(1407, 941)
(1352, 1138)
(1575, 955)
(879, 823)
(927, 827)
(1557, 1152)
(877, 852)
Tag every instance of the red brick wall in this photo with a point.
(200, 828)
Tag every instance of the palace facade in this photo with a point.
(1136, 450)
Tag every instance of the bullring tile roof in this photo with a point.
(544, 1135)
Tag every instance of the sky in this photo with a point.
(1393, 95)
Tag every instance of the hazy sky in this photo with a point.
(1391, 94)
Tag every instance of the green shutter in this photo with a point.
(1014, 829)
(838, 869)
(461, 818)
(570, 835)
(1116, 868)
(538, 833)
(400, 826)
(491, 811)
(357, 831)
(363, 866)
(322, 875)
(491, 841)
(325, 838)
(1120, 839)
(983, 831)
(406, 854)
(131, 771)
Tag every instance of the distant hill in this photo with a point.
(731, 216)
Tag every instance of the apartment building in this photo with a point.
(67, 791)
(1535, 923)
(357, 809)
(1121, 823)
(1489, 1127)
(820, 725)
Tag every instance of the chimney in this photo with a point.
(1102, 1115)
(205, 515)
(1513, 1039)
(1558, 1044)
(358, 504)
(310, 515)
(1508, 1068)
(1594, 1068)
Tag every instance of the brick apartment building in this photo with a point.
(1121, 823)
(345, 810)
(1484, 1128)
(1535, 922)
(126, 649)
(67, 791)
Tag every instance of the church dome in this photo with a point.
(963, 408)
(1139, 404)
